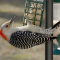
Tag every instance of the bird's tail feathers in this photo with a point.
(56, 25)
(52, 37)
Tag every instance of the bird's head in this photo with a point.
(6, 27)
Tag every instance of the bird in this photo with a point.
(23, 37)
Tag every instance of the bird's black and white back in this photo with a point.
(28, 39)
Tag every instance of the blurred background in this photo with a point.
(7, 51)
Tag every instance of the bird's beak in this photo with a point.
(12, 19)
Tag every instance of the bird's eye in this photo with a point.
(6, 26)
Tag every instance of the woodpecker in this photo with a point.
(23, 37)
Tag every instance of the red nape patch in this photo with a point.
(2, 35)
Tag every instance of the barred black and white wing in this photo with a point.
(27, 39)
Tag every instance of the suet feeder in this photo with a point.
(34, 9)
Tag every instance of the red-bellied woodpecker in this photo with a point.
(23, 37)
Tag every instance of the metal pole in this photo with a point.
(49, 23)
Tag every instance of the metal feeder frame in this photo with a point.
(27, 6)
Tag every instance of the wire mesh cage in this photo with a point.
(34, 10)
